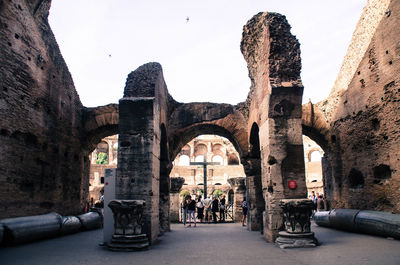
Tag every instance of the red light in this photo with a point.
(106, 183)
(292, 184)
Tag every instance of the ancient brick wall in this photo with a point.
(41, 161)
(273, 57)
(362, 160)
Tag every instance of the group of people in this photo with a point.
(206, 209)
(320, 203)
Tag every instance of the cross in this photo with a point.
(204, 164)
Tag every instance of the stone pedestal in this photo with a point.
(176, 185)
(128, 226)
(297, 234)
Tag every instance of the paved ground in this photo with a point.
(209, 244)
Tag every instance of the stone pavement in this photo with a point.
(209, 244)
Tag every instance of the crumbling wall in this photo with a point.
(362, 159)
(41, 162)
(273, 57)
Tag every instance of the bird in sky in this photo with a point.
(187, 19)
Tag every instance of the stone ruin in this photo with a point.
(47, 134)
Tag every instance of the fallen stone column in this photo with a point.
(30, 228)
(70, 225)
(368, 222)
(91, 220)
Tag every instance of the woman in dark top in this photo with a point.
(192, 211)
(215, 209)
(200, 209)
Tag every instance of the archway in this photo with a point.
(313, 154)
(217, 175)
(103, 157)
(254, 190)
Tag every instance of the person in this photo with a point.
(102, 199)
(191, 211)
(200, 209)
(244, 211)
(207, 209)
(215, 208)
(320, 204)
(185, 208)
(222, 209)
(314, 198)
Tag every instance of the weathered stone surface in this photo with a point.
(239, 190)
(273, 57)
(358, 124)
(128, 234)
(42, 163)
(297, 234)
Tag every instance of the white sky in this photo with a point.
(201, 59)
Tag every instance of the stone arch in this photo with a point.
(315, 125)
(180, 138)
(200, 149)
(233, 159)
(99, 122)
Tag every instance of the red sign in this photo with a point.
(292, 184)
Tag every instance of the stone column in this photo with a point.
(127, 226)
(176, 185)
(138, 158)
(297, 234)
(239, 190)
(254, 193)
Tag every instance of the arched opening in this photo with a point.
(254, 192)
(210, 149)
(103, 157)
(184, 160)
(218, 159)
(313, 154)
(233, 159)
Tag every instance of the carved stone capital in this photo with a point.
(297, 214)
(239, 184)
(128, 225)
(176, 184)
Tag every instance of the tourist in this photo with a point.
(200, 209)
(314, 198)
(191, 209)
(244, 211)
(222, 209)
(321, 204)
(207, 209)
(215, 208)
(185, 208)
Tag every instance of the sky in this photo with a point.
(102, 41)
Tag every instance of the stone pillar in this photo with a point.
(254, 193)
(297, 234)
(127, 226)
(176, 185)
(239, 190)
(138, 158)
